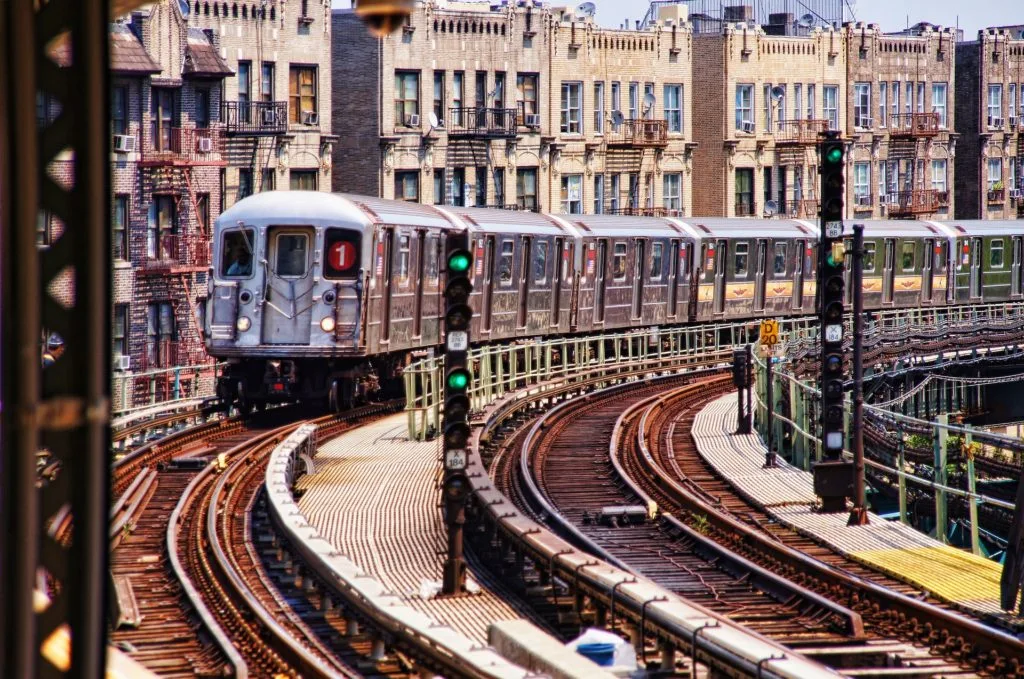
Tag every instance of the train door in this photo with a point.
(723, 253)
(928, 271)
(524, 282)
(673, 279)
(1016, 280)
(388, 246)
(639, 266)
(976, 268)
(558, 263)
(417, 305)
(759, 275)
(798, 274)
(889, 271)
(600, 280)
(289, 286)
(486, 295)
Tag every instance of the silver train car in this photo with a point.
(324, 298)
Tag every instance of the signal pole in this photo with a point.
(859, 515)
(455, 487)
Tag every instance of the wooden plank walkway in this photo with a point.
(787, 494)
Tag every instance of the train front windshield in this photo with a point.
(237, 253)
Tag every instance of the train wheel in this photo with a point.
(333, 403)
(241, 401)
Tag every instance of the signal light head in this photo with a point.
(459, 261)
(456, 487)
(457, 317)
(834, 414)
(456, 408)
(834, 312)
(834, 154)
(834, 285)
(458, 378)
(834, 364)
(834, 388)
(456, 435)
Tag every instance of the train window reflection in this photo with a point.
(505, 263)
(619, 262)
(869, 257)
(292, 255)
(540, 263)
(996, 254)
(909, 255)
(403, 260)
(780, 259)
(236, 253)
(656, 257)
(432, 260)
(742, 260)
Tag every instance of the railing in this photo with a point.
(996, 195)
(160, 356)
(643, 133)
(647, 212)
(481, 122)
(914, 125)
(173, 251)
(184, 146)
(805, 132)
(144, 388)
(800, 208)
(255, 117)
(744, 209)
(918, 201)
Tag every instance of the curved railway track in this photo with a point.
(573, 472)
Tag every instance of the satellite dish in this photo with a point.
(778, 93)
(649, 102)
(617, 118)
(806, 21)
(434, 122)
(771, 208)
(586, 9)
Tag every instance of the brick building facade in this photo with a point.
(525, 107)
(990, 122)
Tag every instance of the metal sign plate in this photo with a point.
(455, 460)
(833, 229)
(458, 340)
(769, 332)
(834, 333)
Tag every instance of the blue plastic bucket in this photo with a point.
(602, 654)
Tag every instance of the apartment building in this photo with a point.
(518, 107)
(990, 123)
(276, 105)
(764, 100)
(899, 116)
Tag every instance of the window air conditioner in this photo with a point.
(532, 120)
(124, 143)
(747, 126)
(863, 200)
(412, 120)
(269, 116)
(123, 363)
(205, 145)
(310, 118)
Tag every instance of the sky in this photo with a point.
(892, 15)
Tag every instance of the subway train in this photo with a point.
(324, 298)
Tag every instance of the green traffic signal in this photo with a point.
(834, 155)
(458, 379)
(459, 261)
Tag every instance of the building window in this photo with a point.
(244, 183)
(244, 91)
(599, 108)
(120, 227)
(745, 108)
(741, 259)
(1011, 104)
(939, 102)
(767, 96)
(526, 95)
(649, 182)
(648, 98)
(203, 211)
(202, 113)
(780, 107)
(634, 101)
(458, 187)
(673, 191)
(572, 117)
(572, 194)
(526, 188)
(616, 193)
(119, 109)
(908, 97)
(995, 173)
(939, 175)
(798, 100)
(674, 107)
(481, 187)
(43, 221)
(458, 90)
(161, 227)
(481, 89)
(302, 180)
(920, 98)
(616, 102)
(598, 194)
(439, 95)
(895, 104)
(120, 331)
(499, 90)
(744, 192)
(634, 190)
(883, 103)
(810, 101)
(861, 182)
(407, 96)
(407, 186)
(862, 105)
(268, 179)
(438, 187)
(301, 94)
(499, 187)
(160, 335)
(830, 102)
(164, 116)
(267, 81)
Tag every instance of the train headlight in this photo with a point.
(243, 323)
(327, 324)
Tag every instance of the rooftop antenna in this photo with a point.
(806, 21)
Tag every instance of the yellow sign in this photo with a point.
(769, 332)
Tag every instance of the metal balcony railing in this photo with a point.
(914, 125)
(183, 146)
(159, 354)
(171, 252)
(915, 202)
(744, 208)
(647, 212)
(997, 195)
(640, 133)
(255, 118)
(493, 123)
(799, 208)
(802, 132)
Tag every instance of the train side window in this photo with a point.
(540, 263)
(292, 255)
(996, 257)
(656, 261)
(619, 262)
(869, 257)
(940, 257)
(505, 263)
(780, 259)
(431, 264)
(403, 260)
(742, 261)
(909, 255)
(236, 253)
(961, 258)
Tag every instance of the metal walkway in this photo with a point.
(966, 581)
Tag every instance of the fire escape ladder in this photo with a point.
(1020, 174)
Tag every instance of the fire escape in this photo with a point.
(470, 133)
(793, 138)
(1019, 159)
(909, 134)
(627, 144)
(247, 124)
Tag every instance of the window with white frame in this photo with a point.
(780, 107)
(599, 107)
(995, 105)
(616, 100)
(939, 102)
(616, 190)
(768, 107)
(745, 108)
(920, 98)
(673, 191)
(798, 100)
(674, 107)
(881, 182)
(1012, 100)
(810, 101)
(862, 105)
(861, 183)
(995, 173)
(830, 101)
(895, 104)
(883, 103)
(572, 108)
(908, 97)
(572, 194)
(939, 174)
(634, 101)
(598, 194)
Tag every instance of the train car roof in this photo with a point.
(723, 227)
(895, 228)
(293, 208)
(608, 225)
(401, 213)
(484, 220)
(995, 227)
